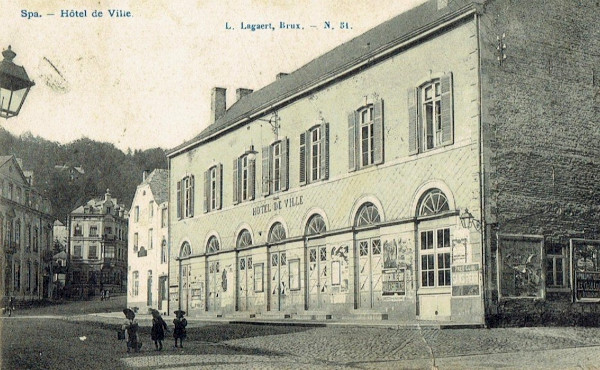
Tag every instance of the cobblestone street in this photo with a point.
(224, 345)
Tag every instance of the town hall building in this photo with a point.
(441, 166)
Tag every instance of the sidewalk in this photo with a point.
(194, 321)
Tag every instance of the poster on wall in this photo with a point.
(465, 280)
(394, 282)
(460, 247)
(586, 270)
(520, 272)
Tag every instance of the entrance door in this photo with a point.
(434, 292)
(186, 272)
(214, 286)
(317, 277)
(279, 280)
(162, 291)
(369, 272)
(244, 264)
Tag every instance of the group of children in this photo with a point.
(157, 334)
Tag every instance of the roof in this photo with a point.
(159, 184)
(4, 159)
(362, 48)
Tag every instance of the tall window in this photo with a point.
(77, 251)
(93, 231)
(78, 230)
(431, 111)
(18, 233)
(135, 278)
(275, 167)
(213, 188)
(244, 172)
(435, 258)
(93, 252)
(365, 136)
(556, 265)
(185, 197)
(135, 242)
(136, 214)
(163, 252)
(36, 239)
(163, 217)
(27, 237)
(150, 209)
(314, 154)
(150, 239)
(109, 251)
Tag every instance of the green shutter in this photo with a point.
(251, 177)
(219, 186)
(266, 170)
(413, 124)
(179, 199)
(325, 151)
(352, 121)
(447, 108)
(236, 182)
(285, 166)
(206, 190)
(378, 132)
(303, 158)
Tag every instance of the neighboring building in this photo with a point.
(60, 233)
(148, 243)
(73, 172)
(98, 247)
(25, 234)
(441, 166)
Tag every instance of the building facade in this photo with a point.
(97, 247)
(25, 235)
(386, 176)
(148, 248)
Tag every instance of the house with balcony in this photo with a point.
(97, 247)
(148, 249)
(25, 234)
(441, 166)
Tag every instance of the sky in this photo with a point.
(144, 81)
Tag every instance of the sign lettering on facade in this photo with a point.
(278, 205)
(465, 280)
(586, 263)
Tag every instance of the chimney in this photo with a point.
(145, 174)
(281, 75)
(107, 195)
(241, 92)
(218, 103)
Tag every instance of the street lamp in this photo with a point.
(14, 85)
(467, 220)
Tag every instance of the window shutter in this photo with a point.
(446, 101)
(236, 182)
(307, 157)
(206, 190)
(303, 158)
(352, 120)
(178, 199)
(285, 160)
(413, 123)
(325, 151)
(266, 170)
(251, 177)
(378, 132)
(219, 187)
(192, 196)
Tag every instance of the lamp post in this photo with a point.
(14, 85)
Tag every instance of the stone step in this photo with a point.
(314, 315)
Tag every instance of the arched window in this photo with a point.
(277, 233)
(186, 250)
(315, 225)
(433, 202)
(368, 214)
(212, 245)
(244, 239)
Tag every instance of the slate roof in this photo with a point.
(159, 184)
(362, 48)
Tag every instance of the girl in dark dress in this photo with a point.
(131, 327)
(159, 326)
(180, 324)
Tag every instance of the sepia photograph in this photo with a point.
(315, 184)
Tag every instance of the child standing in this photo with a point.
(131, 327)
(180, 323)
(159, 326)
